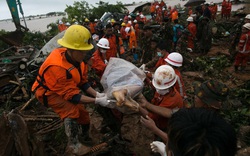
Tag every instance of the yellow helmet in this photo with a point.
(76, 37)
(112, 20)
(123, 24)
(86, 20)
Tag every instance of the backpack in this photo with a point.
(179, 30)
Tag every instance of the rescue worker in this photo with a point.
(244, 49)
(132, 39)
(124, 36)
(158, 60)
(223, 8)
(192, 29)
(99, 61)
(206, 12)
(177, 29)
(204, 35)
(61, 26)
(175, 60)
(247, 18)
(61, 78)
(210, 94)
(115, 43)
(92, 25)
(166, 96)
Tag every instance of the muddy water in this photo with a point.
(41, 24)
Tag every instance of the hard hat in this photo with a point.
(96, 20)
(247, 25)
(137, 14)
(76, 37)
(164, 77)
(112, 20)
(130, 22)
(103, 43)
(127, 29)
(60, 22)
(129, 16)
(190, 19)
(86, 20)
(76, 23)
(163, 9)
(123, 24)
(108, 21)
(135, 21)
(68, 24)
(141, 16)
(175, 59)
(157, 6)
(248, 16)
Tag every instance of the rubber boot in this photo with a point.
(74, 146)
(84, 134)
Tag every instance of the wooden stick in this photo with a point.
(23, 89)
(28, 102)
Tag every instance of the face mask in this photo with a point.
(159, 54)
(103, 50)
(162, 91)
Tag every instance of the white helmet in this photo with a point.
(247, 25)
(141, 16)
(129, 16)
(137, 14)
(247, 16)
(157, 6)
(67, 24)
(127, 29)
(96, 20)
(164, 77)
(60, 22)
(163, 9)
(103, 43)
(135, 21)
(175, 59)
(190, 19)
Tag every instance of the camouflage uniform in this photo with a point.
(211, 92)
(167, 34)
(204, 35)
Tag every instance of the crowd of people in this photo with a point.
(182, 130)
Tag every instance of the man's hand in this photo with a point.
(158, 147)
(102, 101)
(141, 100)
(98, 95)
(148, 122)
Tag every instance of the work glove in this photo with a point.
(98, 95)
(102, 101)
(158, 147)
(142, 67)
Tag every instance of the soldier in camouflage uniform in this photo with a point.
(204, 35)
(210, 94)
(167, 33)
(147, 50)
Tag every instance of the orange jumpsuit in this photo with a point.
(58, 81)
(161, 61)
(137, 30)
(92, 27)
(171, 100)
(242, 56)
(132, 40)
(193, 30)
(113, 41)
(98, 63)
(179, 85)
(62, 27)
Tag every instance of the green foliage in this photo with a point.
(239, 115)
(37, 39)
(211, 66)
(81, 10)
